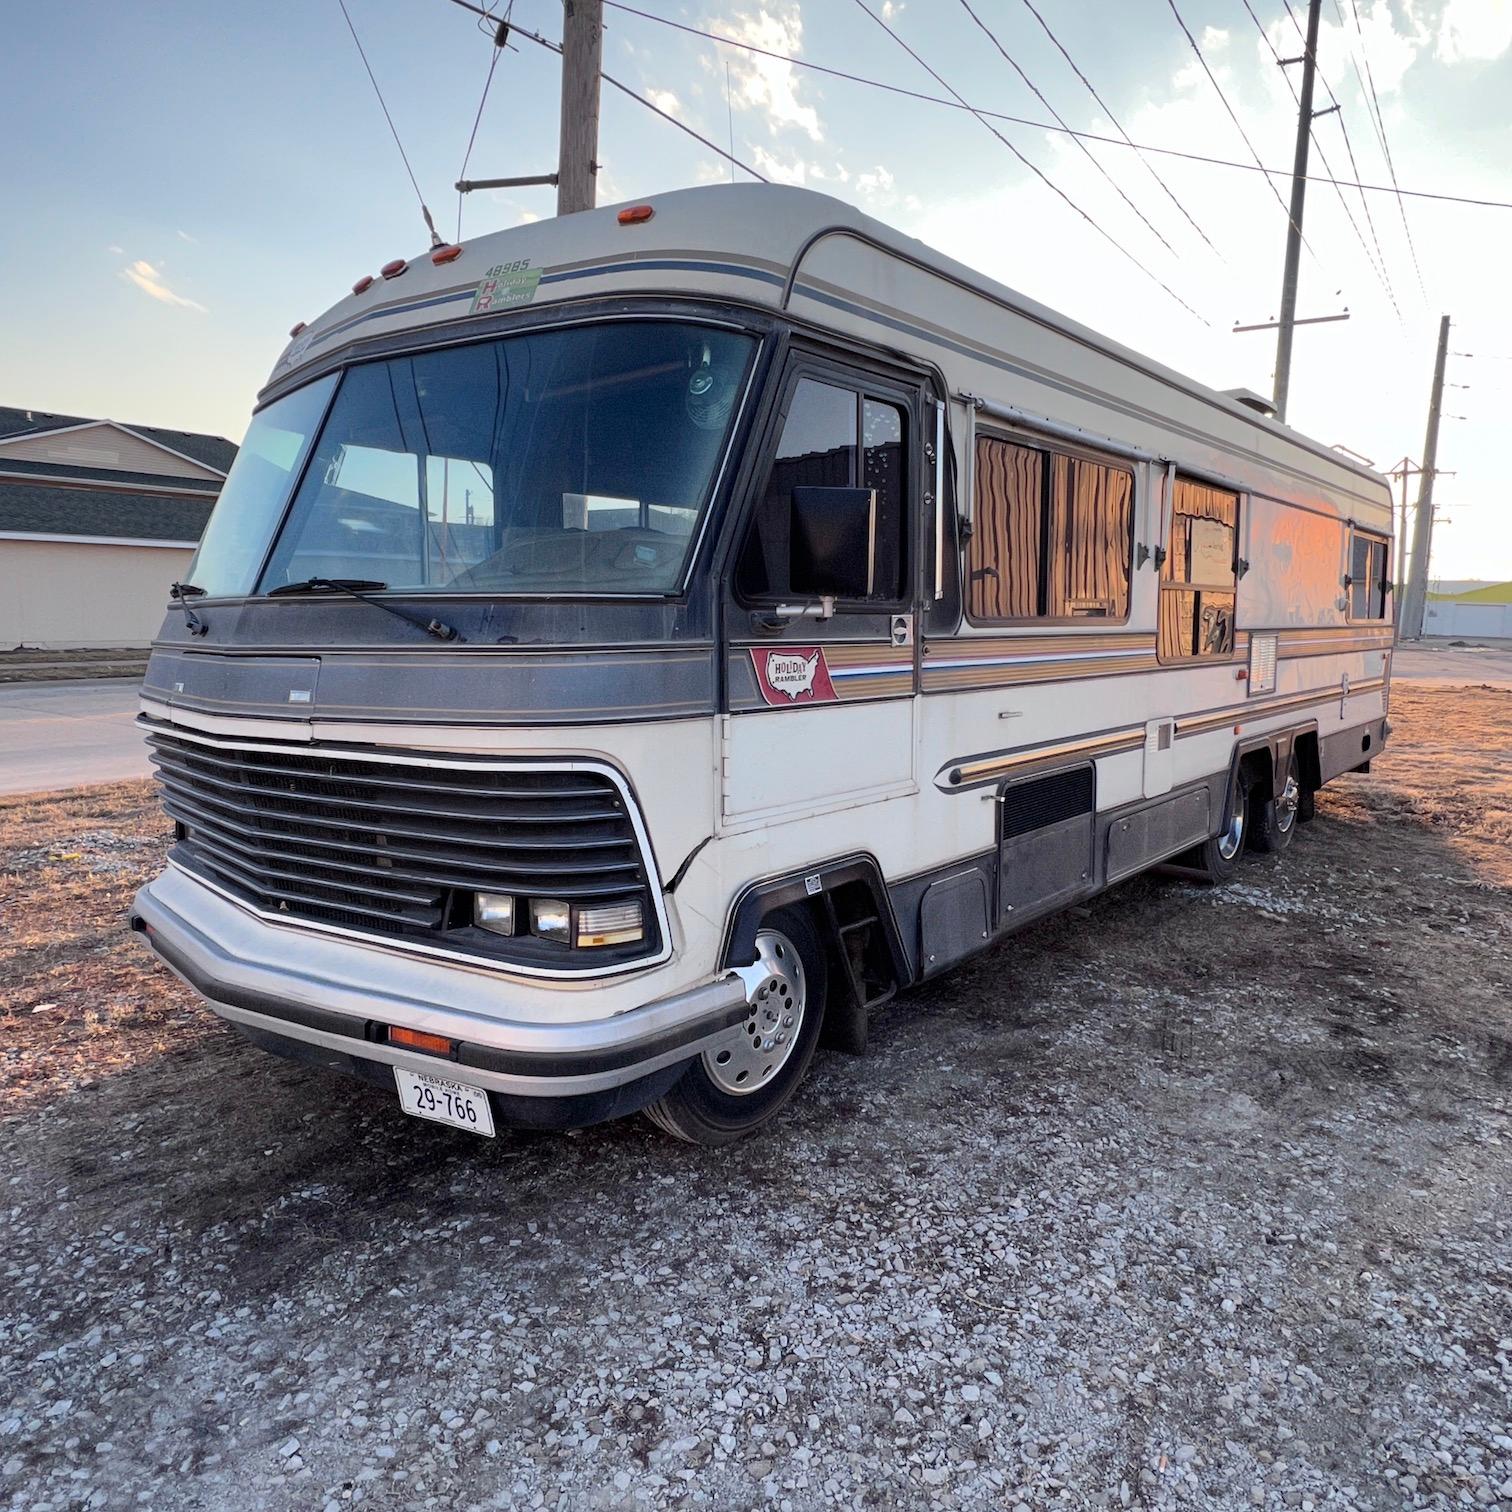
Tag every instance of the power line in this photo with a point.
(1475, 201)
(501, 36)
(1043, 178)
(1380, 125)
(1379, 270)
(430, 224)
(1117, 125)
(1354, 166)
(1082, 146)
(1000, 115)
(1212, 79)
(624, 89)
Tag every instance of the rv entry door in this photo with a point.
(819, 617)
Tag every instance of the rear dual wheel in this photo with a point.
(745, 1079)
(1273, 819)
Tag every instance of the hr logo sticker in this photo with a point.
(792, 675)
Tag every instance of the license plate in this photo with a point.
(444, 1101)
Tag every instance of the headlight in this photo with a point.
(494, 911)
(551, 919)
(609, 924)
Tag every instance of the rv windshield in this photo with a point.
(570, 461)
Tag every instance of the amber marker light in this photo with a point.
(418, 1039)
(446, 254)
(636, 215)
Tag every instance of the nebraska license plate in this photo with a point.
(444, 1101)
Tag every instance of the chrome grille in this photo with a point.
(398, 850)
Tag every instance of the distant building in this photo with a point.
(1469, 610)
(97, 518)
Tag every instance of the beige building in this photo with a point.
(96, 520)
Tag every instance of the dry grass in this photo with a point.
(79, 997)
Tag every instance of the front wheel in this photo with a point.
(744, 1079)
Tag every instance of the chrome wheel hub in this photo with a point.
(1230, 841)
(1286, 804)
(760, 1047)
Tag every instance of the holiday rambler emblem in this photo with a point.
(793, 675)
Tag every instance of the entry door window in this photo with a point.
(834, 437)
(1200, 575)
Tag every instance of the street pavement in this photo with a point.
(68, 734)
(1441, 661)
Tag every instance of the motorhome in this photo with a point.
(630, 648)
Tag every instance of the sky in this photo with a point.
(187, 181)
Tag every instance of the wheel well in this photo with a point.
(1257, 770)
(1308, 765)
(852, 915)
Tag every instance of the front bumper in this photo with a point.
(340, 998)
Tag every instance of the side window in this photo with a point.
(1051, 538)
(1200, 574)
(832, 517)
(1368, 556)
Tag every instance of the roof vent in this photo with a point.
(1251, 400)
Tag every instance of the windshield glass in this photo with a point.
(566, 461)
(255, 492)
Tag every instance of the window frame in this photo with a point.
(1175, 475)
(428, 341)
(1363, 532)
(866, 383)
(1049, 447)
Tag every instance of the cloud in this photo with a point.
(768, 84)
(150, 281)
(185, 236)
(1474, 30)
(778, 171)
(665, 100)
(115, 250)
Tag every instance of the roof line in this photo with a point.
(105, 484)
(94, 540)
(78, 425)
(171, 450)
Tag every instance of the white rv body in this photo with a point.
(966, 771)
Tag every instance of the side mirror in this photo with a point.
(833, 546)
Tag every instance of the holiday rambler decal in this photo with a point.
(792, 674)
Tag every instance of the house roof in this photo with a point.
(32, 509)
(1487, 593)
(208, 451)
(105, 477)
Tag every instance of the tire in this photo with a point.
(1219, 855)
(1273, 818)
(1307, 804)
(743, 1082)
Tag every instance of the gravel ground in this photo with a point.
(1183, 1199)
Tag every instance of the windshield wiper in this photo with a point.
(360, 588)
(187, 590)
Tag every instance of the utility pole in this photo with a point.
(582, 56)
(1422, 533)
(1294, 225)
(1404, 470)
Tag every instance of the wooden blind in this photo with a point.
(1092, 519)
(1003, 555)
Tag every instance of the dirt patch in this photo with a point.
(1184, 1198)
(79, 998)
